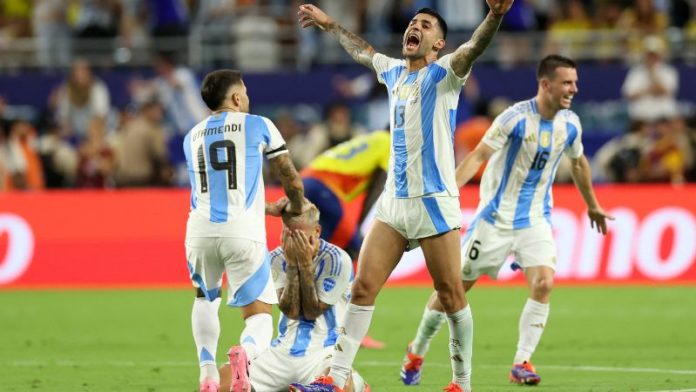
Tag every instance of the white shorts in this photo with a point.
(419, 217)
(245, 263)
(486, 247)
(275, 368)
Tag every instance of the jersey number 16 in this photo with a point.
(230, 165)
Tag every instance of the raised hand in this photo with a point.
(598, 219)
(499, 7)
(311, 15)
(276, 208)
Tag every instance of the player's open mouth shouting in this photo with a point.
(412, 41)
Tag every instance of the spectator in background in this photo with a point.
(177, 89)
(257, 47)
(133, 32)
(606, 42)
(14, 18)
(96, 158)
(569, 31)
(651, 86)
(619, 159)
(80, 99)
(53, 39)
(96, 19)
(669, 156)
(58, 157)
(141, 150)
(212, 24)
(337, 127)
(23, 165)
(641, 20)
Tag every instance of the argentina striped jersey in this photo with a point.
(423, 107)
(333, 276)
(224, 155)
(515, 190)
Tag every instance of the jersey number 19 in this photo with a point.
(230, 165)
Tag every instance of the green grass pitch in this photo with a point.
(597, 339)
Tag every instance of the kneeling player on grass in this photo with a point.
(313, 280)
(523, 148)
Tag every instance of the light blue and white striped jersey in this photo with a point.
(333, 276)
(515, 189)
(224, 155)
(423, 107)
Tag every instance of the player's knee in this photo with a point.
(449, 294)
(542, 286)
(364, 292)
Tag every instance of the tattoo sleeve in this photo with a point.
(290, 179)
(311, 306)
(357, 48)
(467, 53)
(289, 301)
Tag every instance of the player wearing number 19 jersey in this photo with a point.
(226, 232)
(524, 146)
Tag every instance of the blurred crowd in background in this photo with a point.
(80, 139)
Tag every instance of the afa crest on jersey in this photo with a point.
(545, 139)
(329, 284)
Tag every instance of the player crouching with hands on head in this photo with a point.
(312, 278)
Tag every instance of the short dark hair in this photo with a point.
(216, 84)
(440, 20)
(547, 65)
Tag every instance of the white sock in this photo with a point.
(206, 331)
(430, 324)
(358, 382)
(257, 334)
(461, 327)
(355, 325)
(532, 323)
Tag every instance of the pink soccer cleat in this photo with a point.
(209, 385)
(239, 370)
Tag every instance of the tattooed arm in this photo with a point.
(357, 48)
(464, 57)
(289, 296)
(291, 181)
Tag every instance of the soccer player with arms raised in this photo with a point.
(420, 204)
(523, 147)
(226, 231)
